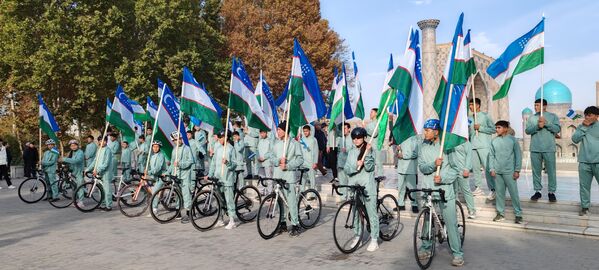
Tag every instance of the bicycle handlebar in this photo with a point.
(91, 175)
(279, 181)
(354, 187)
(428, 191)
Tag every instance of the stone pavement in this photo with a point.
(38, 236)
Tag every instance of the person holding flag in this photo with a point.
(344, 145)
(181, 167)
(223, 167)
(115, 150)
(155, 168)
(195, 154)
(103, 167)
(481, 133)
(142, 152)
(309, 148)
(126, 161)
(76, 162)
(49, 166)
(373, 132)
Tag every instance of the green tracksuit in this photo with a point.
(142, 156)
(184, 169)
(202, 138)
(226, 174)
(481, 143)
(427, 154)
(126, 164)
(49, 166)
(294, 161)
(194, 146)
(309, 148)
(265, 167)
(239, 156)
(407, 176)
(461, 155)
(156, 168)
(251, 143)
(344, 145)
(588, 159)
(105, 169)
(378, 153)
(115, 149)
(90, 153)
(364, 177)
(76, 162)
(542, 149)
(505, 159)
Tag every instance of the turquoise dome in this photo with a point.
(555, 92)
(526, 111)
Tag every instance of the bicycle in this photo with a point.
(430, 226)
(65, 185)
(207, 205)
(33, 189)
(270, 213)
(348, 225)
(132, 199)
(93, 194)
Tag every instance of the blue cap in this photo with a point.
(432, 124)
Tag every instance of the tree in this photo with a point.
(261, 33)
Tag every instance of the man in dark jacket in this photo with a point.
(321, 139)
(30, 158)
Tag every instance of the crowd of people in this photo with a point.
(490, 153)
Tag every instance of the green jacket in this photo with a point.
(293, 156)
(115, 147)
(588, 137)
(370, 130)
(49, 161)
(227, 174)
(505, 156)
(309, 149)
(428, 152)
(239, 154)
(195, 150)
(105, 164)
(364, 176)
(342, 156)
(142, 154)
(202, 139)
(126, 158)
(76, 162)
(90, 153)
(157, 166)
(185, 162)
(485, 131)
(251, 140)
(264, 147)
(461, 156)
(409, 152)
(542, 139)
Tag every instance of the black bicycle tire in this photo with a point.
(425, 211)
(176, 210)
(61, 187)
(43, 192)
(299, 202)
(395, 205)
(122, 203)
(360, 219)
(238, 195)
(270, 235)
(98, 202)
(195, 211)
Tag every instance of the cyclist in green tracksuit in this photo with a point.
(407, 174)
(194, 146)
(201, 137)
(181, 166)
(428, 161)
(251, 142)
(223, 167)
(285, 162)
(309, 148)
(105, 169)
(481, 134)
(239, 154)
(344, 145)
(542, 131)
(360, 171)
(461, 155)
(371, 128)
(587, 134)
(156, 169)
(49, 166)
(126, 161)
(90, 150)
(76, 162)
(115, 149)
(505, 162)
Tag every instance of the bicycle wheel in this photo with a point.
(91, 198)
(166, 204)
(129, 204)
(388, 212)
(269, 216)
(247, 201)
(424, 239)
(309, 207)
(205, 210)
(461, 222)
(348, 227)
(66, 191)
(32, 190)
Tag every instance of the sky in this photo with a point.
(374, 29)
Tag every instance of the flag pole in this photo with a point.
(445, 126)
(376, 128)
(102, 141)
(154, 130)
(543, 67)
(474, 99)
(39, 149)
(222, 166)
(178, 132)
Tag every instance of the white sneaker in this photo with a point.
(80, 204)
(491, 196)
(231, 225)
(374, 245)
(220, 223)
(477, 191)
(355, 241)
(472, 215)
(11, 187)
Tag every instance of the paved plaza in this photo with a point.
(39, 236)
